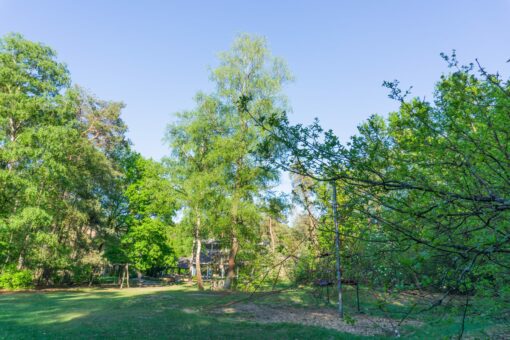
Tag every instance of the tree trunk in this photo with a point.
(222, 266)
(127, 275)
(8, 255)
(123, 277)
(91, 278)
(312, 231)
(337, 253)
(21, 258)
(272, 234)
(12, 137)
(116, 275)
(139, 276)
(231, 263)
(191, 266)
(200, 283)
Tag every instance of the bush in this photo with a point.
(16, 279)
(81, 274)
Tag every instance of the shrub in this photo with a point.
(16, 279)
(81, 274)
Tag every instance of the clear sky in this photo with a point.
(154, 55)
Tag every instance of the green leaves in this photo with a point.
(151, 206)
(60, 162)
(13, 279)
(147, 245)
(248, 69)
(30, 68)
(30, 219)
(434, 176)
(217, 165)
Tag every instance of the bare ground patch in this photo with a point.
(327, 318)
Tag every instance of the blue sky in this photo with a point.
(154, 55)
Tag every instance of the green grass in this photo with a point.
(437, 323)
(180, 312)
(134, 313)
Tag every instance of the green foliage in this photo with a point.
(149, 193)
(150, 206)
(16, 279)
(60, 165)
(423, 194)
(216, 165)
(147, 245)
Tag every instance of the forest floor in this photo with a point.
(180, 311)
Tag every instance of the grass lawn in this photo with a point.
(169, 312)
(134, 313)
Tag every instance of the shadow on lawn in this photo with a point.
(135, 313)
(175, 312)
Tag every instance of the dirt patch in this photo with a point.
(327, 318)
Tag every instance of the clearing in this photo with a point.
(182, 312)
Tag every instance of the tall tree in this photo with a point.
(249, 82)
(152, 205)
(197, 167)
(55, 176)
(215, 147)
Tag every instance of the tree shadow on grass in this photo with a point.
(135, 313)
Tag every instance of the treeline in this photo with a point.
(62, 155)
(76, 198)
(74, 195)
(423, 194)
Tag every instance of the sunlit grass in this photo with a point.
(182, 312)
(162, 312)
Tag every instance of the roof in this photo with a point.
(183, 263)
(204, 259)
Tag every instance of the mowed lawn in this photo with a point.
(164, 312)
(182, 312)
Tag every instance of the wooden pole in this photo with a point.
(337, 253)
